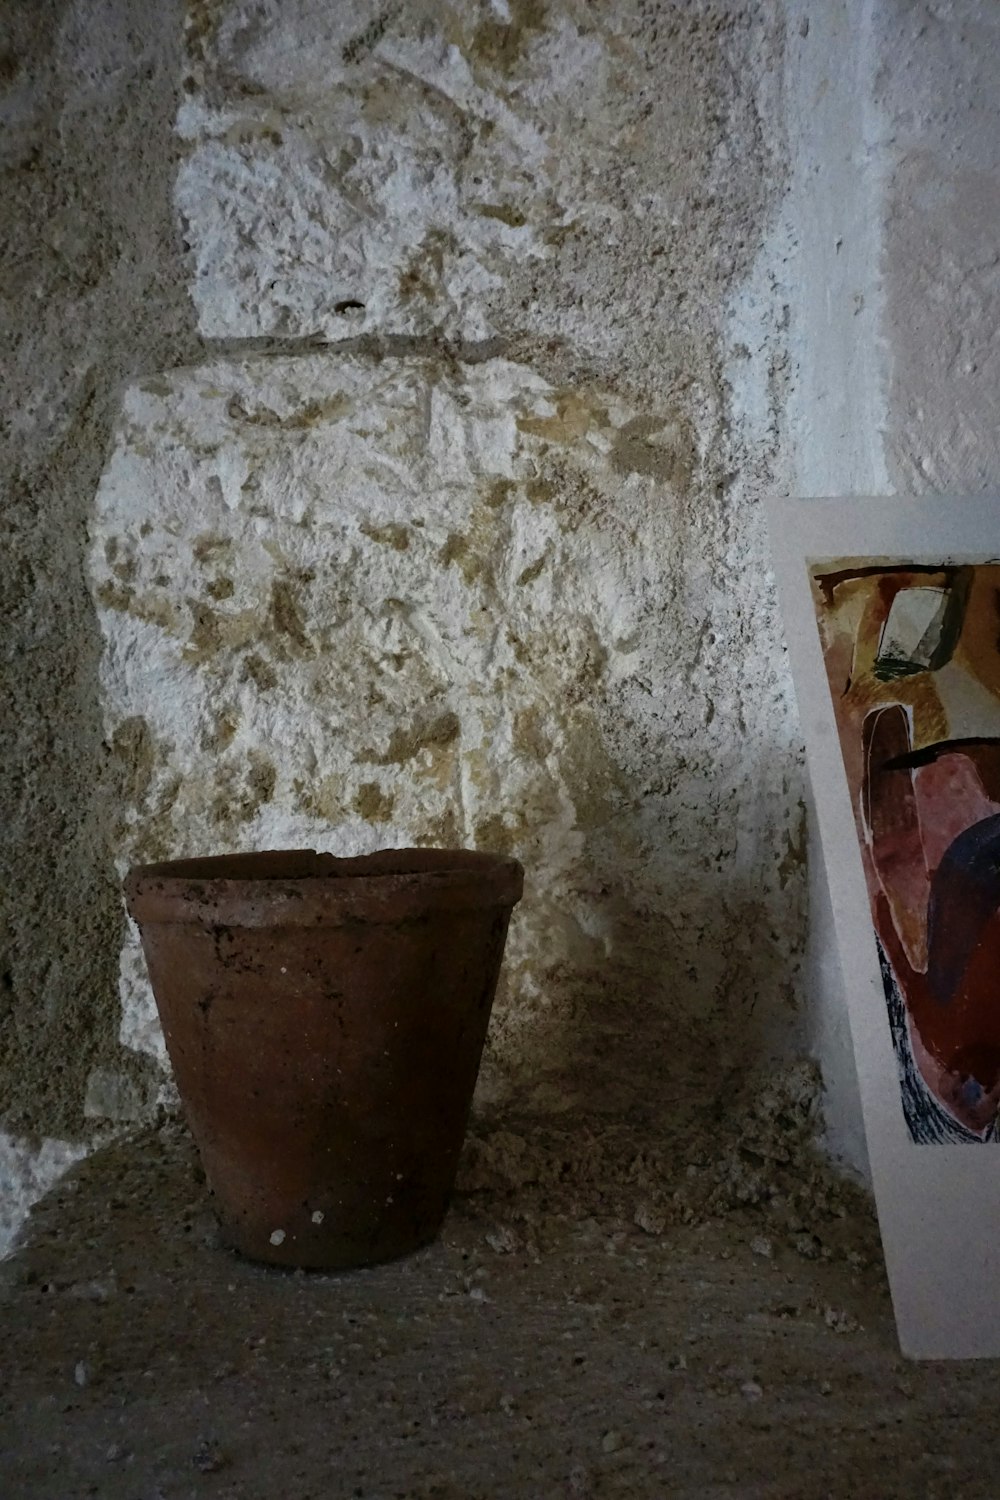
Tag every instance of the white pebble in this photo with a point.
(278, 1237)
(502, 1241)
(650, 1218)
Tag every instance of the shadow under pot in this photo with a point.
(325, 1020)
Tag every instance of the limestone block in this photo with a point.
(350, 603)
(356, 168)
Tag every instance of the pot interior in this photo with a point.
(307, 864)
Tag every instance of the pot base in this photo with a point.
(295, 1255)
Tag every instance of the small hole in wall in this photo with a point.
(348, 305)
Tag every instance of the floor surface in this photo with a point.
(547, 1355)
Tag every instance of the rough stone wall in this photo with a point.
(451, 542)
(92, 294)
(550, 234)
(440, 525)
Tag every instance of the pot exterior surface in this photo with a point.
(326, 1049)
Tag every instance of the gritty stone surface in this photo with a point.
(592, 1360)
(352, 601)
(92, 294)
(594, 175)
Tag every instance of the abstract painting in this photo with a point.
(912, 655)
(892, 612)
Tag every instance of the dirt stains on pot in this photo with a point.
(372, 803)
(366, 997)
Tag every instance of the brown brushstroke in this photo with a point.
(828, 582)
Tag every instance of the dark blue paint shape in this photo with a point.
(965, 893)
(927, 1121)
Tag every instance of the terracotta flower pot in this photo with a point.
(325, 1020)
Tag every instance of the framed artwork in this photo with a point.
(892, 611)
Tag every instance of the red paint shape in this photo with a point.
(893, 826)
(950, 797)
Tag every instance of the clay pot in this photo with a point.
(325, 1020)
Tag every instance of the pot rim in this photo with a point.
(300, 887)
